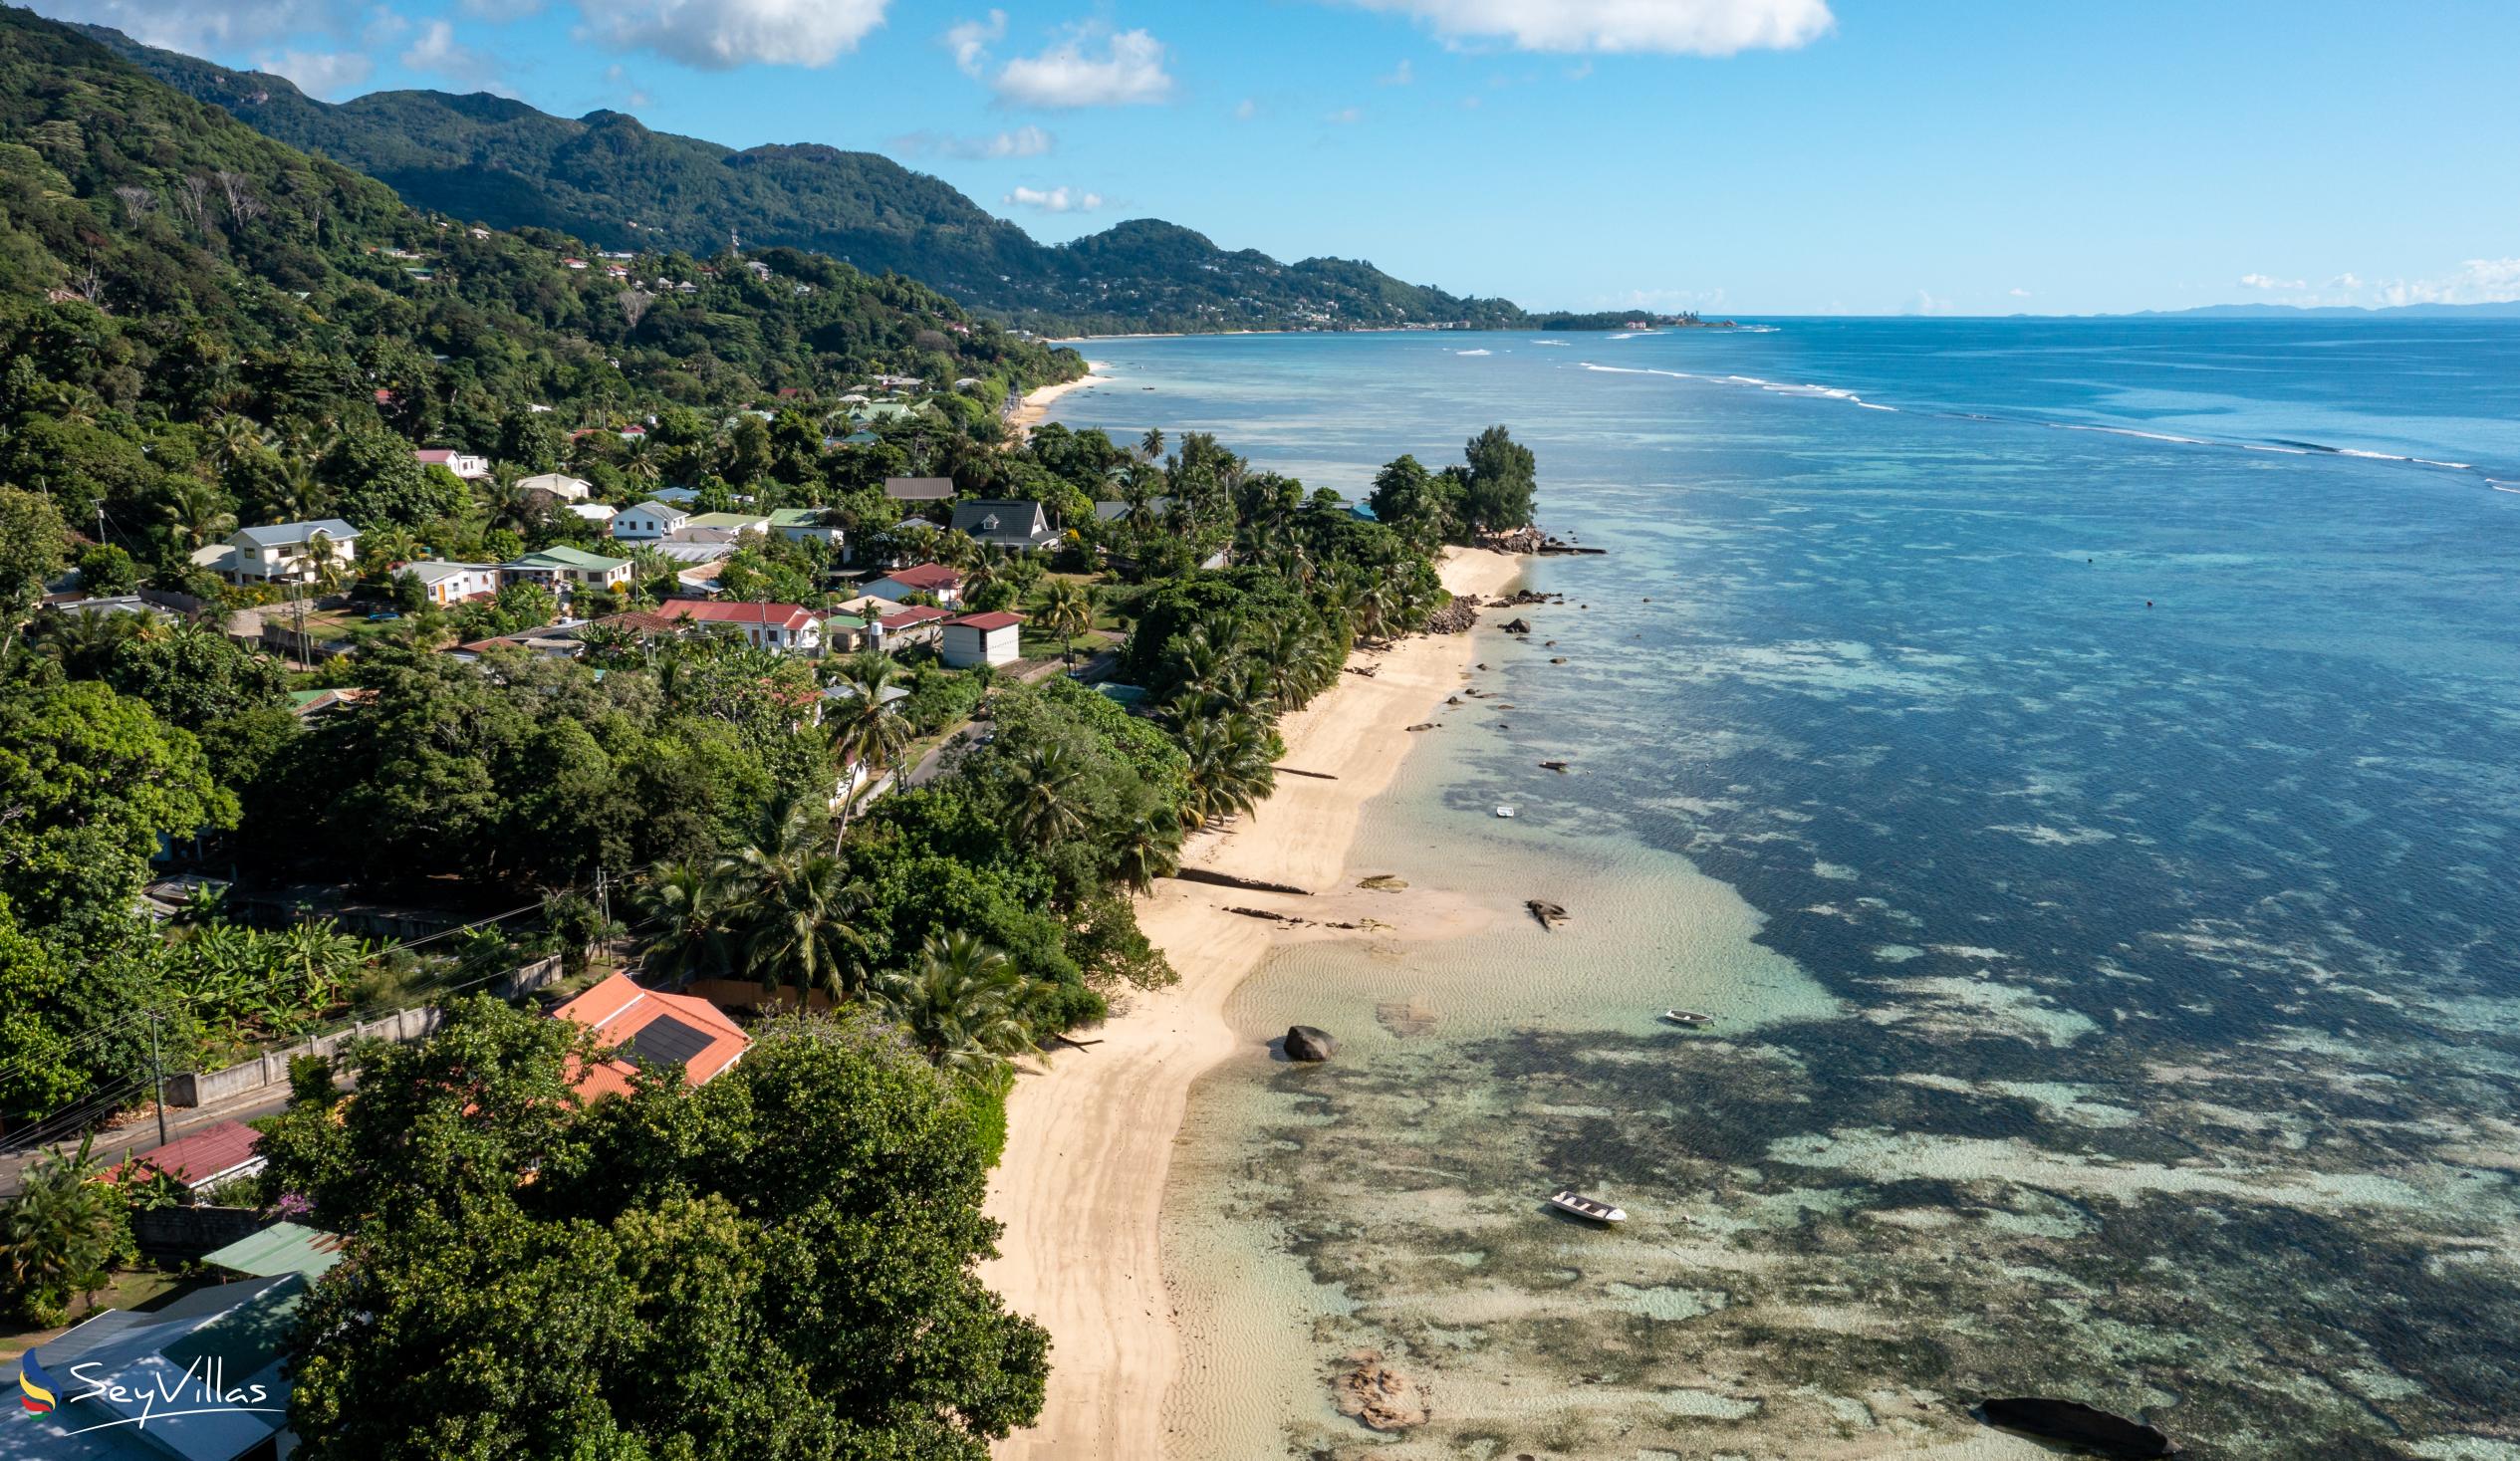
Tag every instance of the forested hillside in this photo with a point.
(607, 179)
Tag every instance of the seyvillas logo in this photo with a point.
(202, 1390)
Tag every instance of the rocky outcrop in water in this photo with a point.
(2079, 1424)
(1377, 1396)
(1307, 1043)
(1550, 915)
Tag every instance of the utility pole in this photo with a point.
(603, 898)
(158, 1076)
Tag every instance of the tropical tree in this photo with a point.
(866, 729)
(197, 511)
(59, 1235)
(1147, 848)
(686, 903)
(1066, 611)
(965, 1006)
(1230, 769)
(788, 902)
(1043, 785)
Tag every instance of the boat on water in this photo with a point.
(1565, 1199)
(1687, 1017)
(1504, 811)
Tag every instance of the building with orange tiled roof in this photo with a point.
(646, 1027)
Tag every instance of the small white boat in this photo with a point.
(1504, 811)
(1568, 1200)
(1687, 1017)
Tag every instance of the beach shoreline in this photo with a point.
(1036, 403)
(1091, 1137)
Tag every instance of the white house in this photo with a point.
(788, 628)
(720, 527)
(462, 463)
(801, 523)
(981, 639)
(933, 578)
(453, 583)
(282, 553)
(649, 520)
(561, 568)
(558, 484)
(594, 512)
(901, 629)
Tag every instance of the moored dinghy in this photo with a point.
(1687, 1017)
(1565, 1199)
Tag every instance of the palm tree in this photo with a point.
(1230, 767)
(965, 1006)
(1043, 784)
(687, 904)
(83, 643)
(1151, 445)
(1066, 611)
(196, 510)
(320, 560)
(235, 439)
(789, 904)
(866, 729)
(1150, 848)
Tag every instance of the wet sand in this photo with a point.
(1091, 1137)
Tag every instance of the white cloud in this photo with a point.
(624, 86)
(2345, 281)
(1246, 108)
(202, 25)
(720, 34)
(1345, 117)
(970, 40)
(1927, 304)
(2269, 281)
(1127, 72)
(1399, 76)
(1054, 200)
(500, 11)
(1023, 142)
(437, 50)
(330, 75)
(2018, 293)
(1672, 27)
(2475, 282)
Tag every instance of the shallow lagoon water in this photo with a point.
(2116, 1001)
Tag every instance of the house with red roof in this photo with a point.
(981, 639)
(788, 628)
(934, 580)
(204, 1158)
(649, 1027)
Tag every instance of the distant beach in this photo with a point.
(1036, 404)
(1090, 1138)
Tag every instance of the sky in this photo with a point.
(1736, 156)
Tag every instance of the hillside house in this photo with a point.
(453, 583)
(649, 522)
(559, 486)
(283, 552)
(905, 629)
(939, 582)
(981, 639)
(1006, 524)
(564, 569)
(462, 463)
(648, 1026)
(788, 629)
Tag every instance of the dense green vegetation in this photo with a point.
(778, 1264)
(206, 327)
(607, 178)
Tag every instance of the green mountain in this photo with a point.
(607, 179)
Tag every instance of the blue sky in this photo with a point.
(1753, 157)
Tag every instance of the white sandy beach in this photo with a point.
(1036, 403)
(1090, 1138)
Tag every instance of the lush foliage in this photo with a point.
(779, 1264)
(60, 1235)
(605, 176)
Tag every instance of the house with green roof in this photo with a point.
(563, 570)
(798, 524)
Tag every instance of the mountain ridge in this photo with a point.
(609, 178)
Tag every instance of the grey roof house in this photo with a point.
(1006, 524)
(919, 489)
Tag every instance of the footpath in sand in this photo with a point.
(1090, 1138)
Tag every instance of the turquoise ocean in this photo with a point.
(2079, 765)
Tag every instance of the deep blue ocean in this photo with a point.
(2120, 721)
